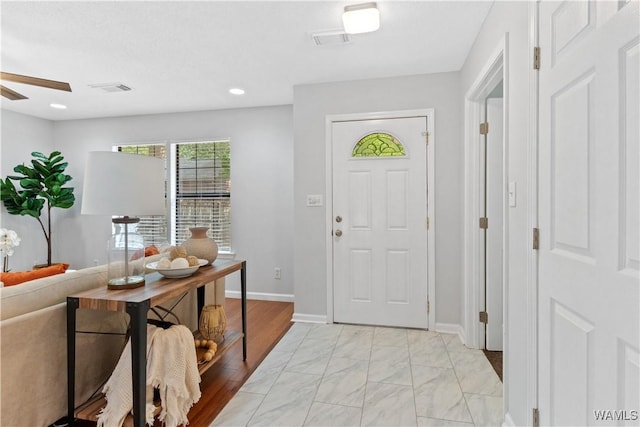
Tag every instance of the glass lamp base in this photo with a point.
(128, 282)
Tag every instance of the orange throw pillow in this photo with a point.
(10, 279)
(148, 251)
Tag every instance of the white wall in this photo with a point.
(20, 136)
(512, 18)
(261, 176)
(312, 103)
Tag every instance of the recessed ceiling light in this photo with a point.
(361, 18)
(58, 106)
(236, 91)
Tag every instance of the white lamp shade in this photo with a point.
(361, 18)
(121, 184)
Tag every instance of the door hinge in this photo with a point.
(536, 418)
(484, 128)
(484, 223)
(426, 137)
(536, 58)
(427, 223)
(428, 307)
(536, 238)
(484, 317)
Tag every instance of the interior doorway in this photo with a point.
(492, 206)
(486, 208)
(492, 235)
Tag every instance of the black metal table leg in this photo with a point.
(243, 295)
(200, 295)
(72, 306)
(138, 313)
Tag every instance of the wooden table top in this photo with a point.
(157, 288)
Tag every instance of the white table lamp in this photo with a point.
(124, 186)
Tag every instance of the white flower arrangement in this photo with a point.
(8, 240)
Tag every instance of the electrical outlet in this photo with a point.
(277, 273)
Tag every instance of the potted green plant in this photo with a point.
(39, 184)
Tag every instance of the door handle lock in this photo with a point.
(338, 218)
(338, 233)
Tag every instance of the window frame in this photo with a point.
(171, 185)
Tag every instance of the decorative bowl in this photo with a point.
(177, 273)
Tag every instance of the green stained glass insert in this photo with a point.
(378, 144)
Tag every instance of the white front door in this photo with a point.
(589, 257)
(379, 222)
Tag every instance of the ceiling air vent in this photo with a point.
(330, 38)
(111, 87)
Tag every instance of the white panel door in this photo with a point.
(379, 214)
(588, 200)
(494, 200)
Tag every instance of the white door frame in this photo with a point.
(532, 215)
(329, 120)
(495, 69)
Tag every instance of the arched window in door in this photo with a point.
(378, 144)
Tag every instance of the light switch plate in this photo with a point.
(315, 200)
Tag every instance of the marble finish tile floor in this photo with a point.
(346, 375)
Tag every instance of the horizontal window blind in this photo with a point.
(201, 196)
(203, 190)
(153, 228)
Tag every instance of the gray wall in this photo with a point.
(261, 176)
(312, 103)
(512, 18)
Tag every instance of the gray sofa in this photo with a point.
(33, 353)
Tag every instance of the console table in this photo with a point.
(137, 302)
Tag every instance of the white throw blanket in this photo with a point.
(171, 367)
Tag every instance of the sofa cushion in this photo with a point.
(15, 278)
(40, 293)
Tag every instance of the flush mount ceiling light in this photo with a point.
(361, 18)
(236, 91)
(58, 106)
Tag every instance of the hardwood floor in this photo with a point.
(267, 322)
(495, 359)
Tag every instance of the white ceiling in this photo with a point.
(185, 56)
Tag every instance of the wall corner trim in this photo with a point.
(451, 328)
(309, 318)
(260, 296)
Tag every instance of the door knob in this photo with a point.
(338, 233)
(338, 218)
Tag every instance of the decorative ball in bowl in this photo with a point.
(176, 269)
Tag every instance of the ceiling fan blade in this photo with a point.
(11, 94)
(35, 81)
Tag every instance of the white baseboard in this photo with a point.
(508, 421)
(451, 328)
(260, 296)
(309, 318)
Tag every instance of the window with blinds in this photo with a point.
(203, 191)
(199, 189)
